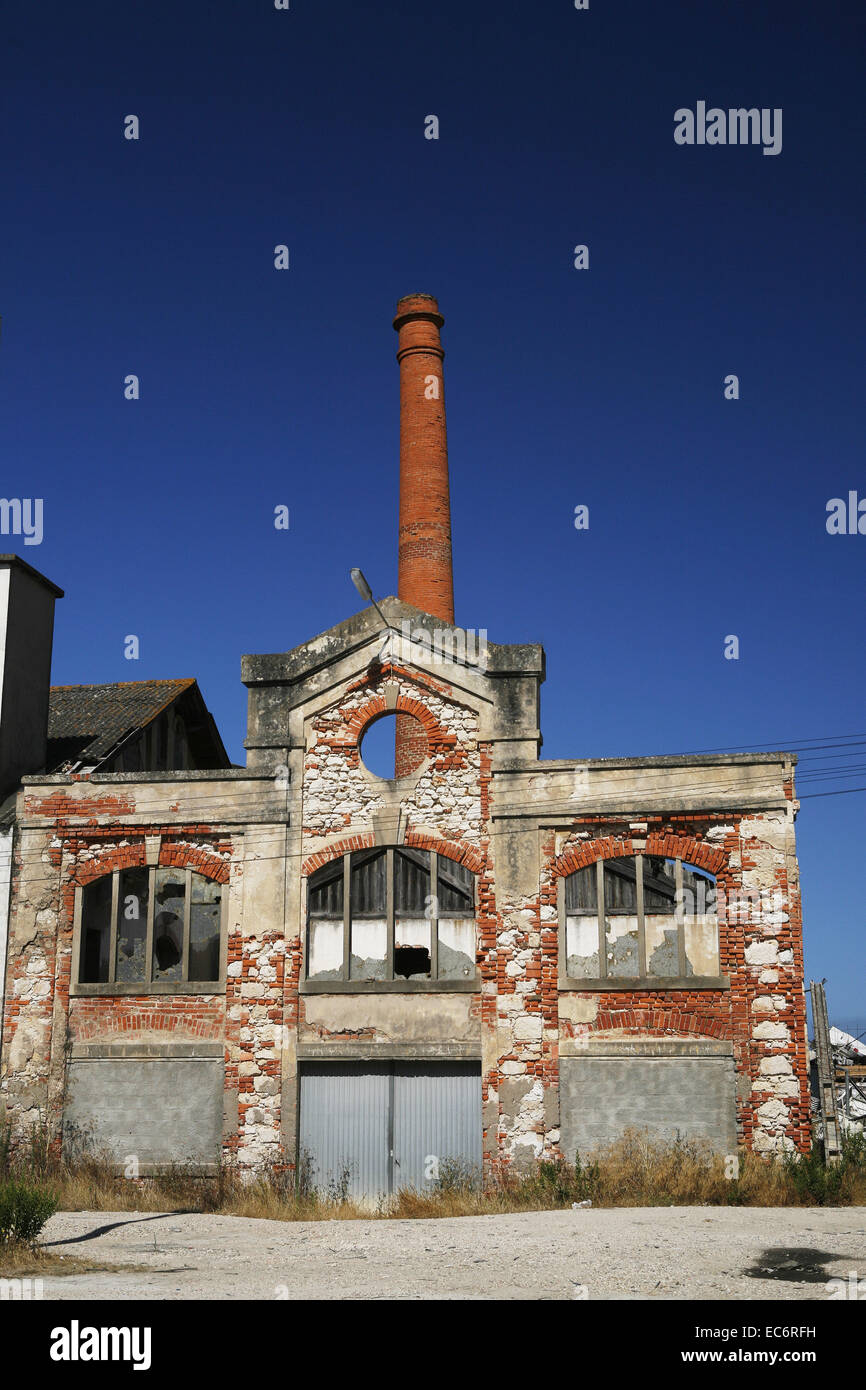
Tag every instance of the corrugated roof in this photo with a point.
(85, 722)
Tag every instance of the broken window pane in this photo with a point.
(581, 891)
(455, 889)
(581, 947)
(412, 948)
(700, 924)
(168, 914)
(456, 948)
(665, 917)
(325, 934)
(620, 885)
(408, 932)
(412, 908)
(95, 931)
(411, 963)
(369, 929)
(659, 885)
(662, 944)
(204, 928)
(699, 893)
(325, 956)
(621, 944)
(369, 948)
(368, 883)
(411, 882)
(130, 963)
(326, 891)
(455, 892)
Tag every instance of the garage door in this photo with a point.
(163, 1111)
(601, 1097)
(370, 1129)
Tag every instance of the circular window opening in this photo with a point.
(393, 746)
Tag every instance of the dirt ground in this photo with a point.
(662, 1252)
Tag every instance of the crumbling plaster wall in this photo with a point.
(443, 795)
(76, 831)
(762, 1014)
(341, 806)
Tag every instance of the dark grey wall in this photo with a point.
(26, 634)
(603, 1096)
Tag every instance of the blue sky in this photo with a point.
(601, 387)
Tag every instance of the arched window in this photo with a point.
(645, 918)
(150, 930)
(391, 916)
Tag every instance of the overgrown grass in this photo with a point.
(636, 1171)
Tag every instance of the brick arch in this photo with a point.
(176, 855)
(686, 847)
(187, 1017)
(655, 1022)
(119, 857)
(670, 846)
(133, 857)
(466, 855)
(375, 707)
(336, 851)
(580, 856)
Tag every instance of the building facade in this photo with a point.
(487, 958)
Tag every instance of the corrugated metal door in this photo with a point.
(437, 1119)
(344, 1110)
(371, 1128)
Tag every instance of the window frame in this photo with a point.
(400, 985)
(148, 986)
(632, 982)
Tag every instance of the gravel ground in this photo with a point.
(661, 1252)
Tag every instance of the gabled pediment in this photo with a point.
(499, 682)
(446, 641)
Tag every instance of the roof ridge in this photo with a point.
(103, 685)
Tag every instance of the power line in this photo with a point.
(846, 791)
(780, 745)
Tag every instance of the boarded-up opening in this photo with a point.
(690, 1096)
(161, 1111)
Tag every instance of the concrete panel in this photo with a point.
(601, 1097)
(166, 1110)
(399, 1018)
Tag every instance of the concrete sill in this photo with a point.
(145, 991)
(389, 986)
(661, 985)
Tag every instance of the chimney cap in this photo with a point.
(10, 561)
(418, 306)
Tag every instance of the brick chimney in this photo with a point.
(424, 575)
(424, 562)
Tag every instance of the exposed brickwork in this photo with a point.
(254, 1022)
(518, 1007)
(760, 944)
(424, 546)
(425, 577)
(183, 1016)
(339, 793)
(41, 1020)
